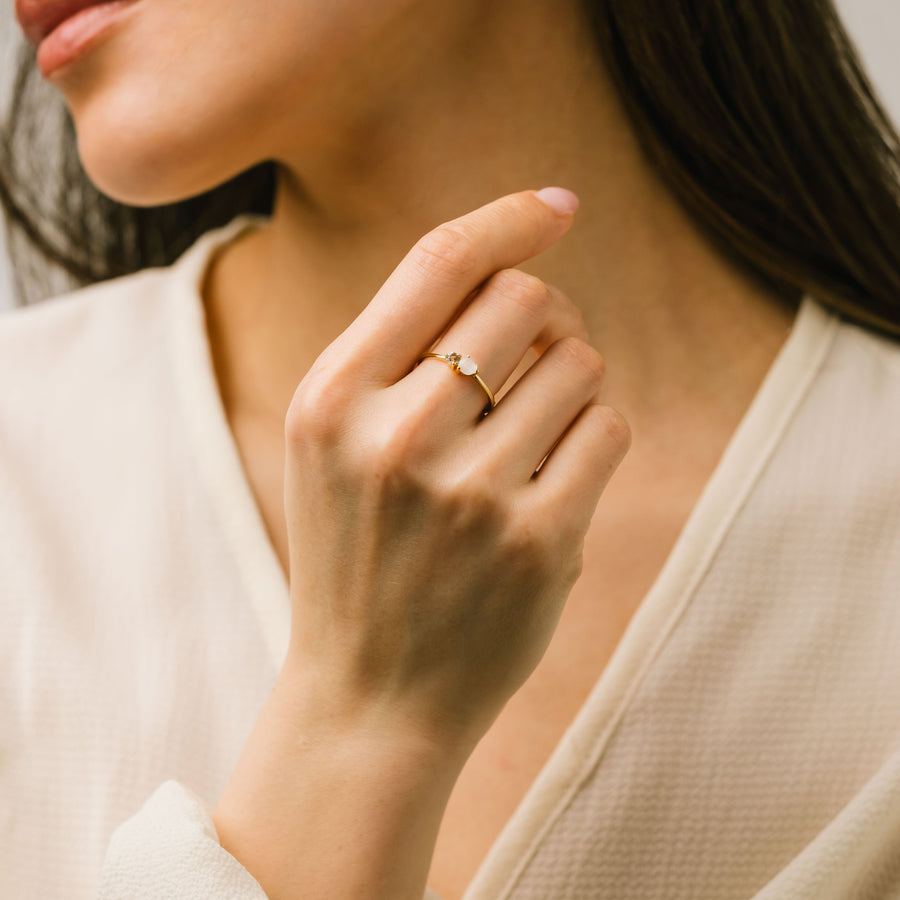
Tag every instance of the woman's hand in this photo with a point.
(429, 565)
(430, 559)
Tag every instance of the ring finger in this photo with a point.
(513, 312)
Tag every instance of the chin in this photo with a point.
(146, 174)
(144, 160)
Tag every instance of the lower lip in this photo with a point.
(72, 38)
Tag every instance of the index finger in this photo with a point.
(424, 292)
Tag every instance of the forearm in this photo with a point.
(324, 809)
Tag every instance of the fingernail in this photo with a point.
(561, 201)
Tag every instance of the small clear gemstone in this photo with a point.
(467, 366)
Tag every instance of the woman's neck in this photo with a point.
(526, 105)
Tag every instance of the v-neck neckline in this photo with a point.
(214, 444)
(581, 747)
(582, 744)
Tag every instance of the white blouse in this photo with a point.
(742, 742)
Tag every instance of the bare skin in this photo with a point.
(670, 316)
(642, 512)
(630, 537)
(419, 114)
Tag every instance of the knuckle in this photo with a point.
(314, 411)
(613, 426)
(527, 547)
(579, 326)
(390, 453)
(583, 355)
(471, 493)
(396, 447)
(573, 566)
(526, 291)
(470, 503)
(449, 250)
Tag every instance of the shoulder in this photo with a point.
(860, 381)
(81, 344)
(84, 326)
(71, 365)
(841, 455)
(867, 353)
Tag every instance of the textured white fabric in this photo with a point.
(755, 735)
(743, 742)
(143, 610)
(170, 851)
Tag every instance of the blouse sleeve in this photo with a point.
(169, 850)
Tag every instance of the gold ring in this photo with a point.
(465, 365)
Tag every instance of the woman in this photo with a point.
(296, 590)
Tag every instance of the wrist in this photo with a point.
(324, 716)
(335, 799)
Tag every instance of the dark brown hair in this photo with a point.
(757, 113)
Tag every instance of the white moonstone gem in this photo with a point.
(467, 366)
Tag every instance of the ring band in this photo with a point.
(465, 365)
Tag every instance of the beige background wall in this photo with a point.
(874, 24)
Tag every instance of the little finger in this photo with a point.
(541, 406)
(574, 475)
